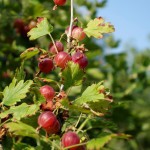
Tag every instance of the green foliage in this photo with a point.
(21, 129)
(99, 143)
(91, 94)
(128, 80)
(43, 28)
(20, 111)
(15, 92)
(23, 146)
(72, 75)
(29, 53)
(20, 74)
(98, 27)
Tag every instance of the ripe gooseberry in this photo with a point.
(67, 29)
(60, 2)
(48, 92)
(59, 47)
(61, 59)
(21, 27)
(78, 33)
(46, 65)
(80, 58)
(69, 139)
(19, 24)
(48, 121)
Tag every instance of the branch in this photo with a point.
(70, 27)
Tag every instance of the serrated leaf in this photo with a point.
(98, 27)
(100, 106)
(72, 75)
(98, 143)
(30, 52)
(21, 129)
(15, 92)
(42, 28)
(20, 74)
(20, 111)
(66, 104)
(91, 94)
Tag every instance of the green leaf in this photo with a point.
(94, 101)
(66, 104)
(30, 52)
(20, 111)
(43, 28)
(98, 27)
(16, 91)
(21, 129)
(72, 75)
(91, 94)
(20, 74)
(100, 106)
(24, 146)
(98, 143)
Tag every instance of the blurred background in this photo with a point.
(121, 59)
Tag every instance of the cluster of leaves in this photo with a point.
(91, 100)
(129, 85)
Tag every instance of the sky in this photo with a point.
(131, 19)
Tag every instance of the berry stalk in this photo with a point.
(70, 27)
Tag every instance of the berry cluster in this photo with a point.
(57, 57)
(60, 58)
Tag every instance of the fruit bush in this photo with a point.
(50, 103)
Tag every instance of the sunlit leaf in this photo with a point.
(16, 91)
(43, 28)
(30, 52)
(98, 27)
(20, 111)
(21, 129)
(98, 143)
(91, 94)
(72, 75)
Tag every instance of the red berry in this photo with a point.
(46, 65)
(78, 34)
(19, 24)
(70, 139)
(61, 59)
(67, 29)
(48, 121)
(59, 47)
(81, 59)
(60, 2)
(25, 31)
(48, 92)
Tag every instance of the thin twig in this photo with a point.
(53, 42)
(70, 27)
(78, 120)
(83, 124)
